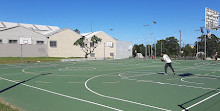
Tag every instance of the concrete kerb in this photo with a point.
(80, 59)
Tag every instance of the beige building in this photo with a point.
(60, 44)
(106, 48)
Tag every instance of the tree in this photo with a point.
(134, 50)
(188, 50)
(142, 49)
(138, 49)
(160, 46)
(77, 31)
(212, 44)
(171, 46)
(88, 47)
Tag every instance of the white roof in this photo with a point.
(90, 34)
(44, 29)
(9, 25)
(55, 32)
(28, 26)
(1, 25)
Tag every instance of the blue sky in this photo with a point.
(126, 17)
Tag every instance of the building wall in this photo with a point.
(14, 49)
(124, 49)
(65, 48)
(99, 51)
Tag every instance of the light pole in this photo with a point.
(146, 42)
(151, 51)
(155, 40)
(204, 36)
(205, 39)
(104, 50)
(197, 46)
(150, 47)
(111, 31)
(180, 40)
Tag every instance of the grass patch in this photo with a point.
(7, 107)
(13, 60)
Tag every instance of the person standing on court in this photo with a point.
(166, 58)
(216, 56)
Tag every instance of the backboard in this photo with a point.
(211, 19)
(25, 40)
(109, 44)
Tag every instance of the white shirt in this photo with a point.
(166, 58)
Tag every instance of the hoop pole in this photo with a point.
(21, 55)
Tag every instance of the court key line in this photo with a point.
(63, 95)
(120, 98)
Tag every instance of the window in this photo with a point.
(91, 44)
(53, 43)
(92, 55)
(13, 41)
(40, 42)
(0, 41)
(111, 54)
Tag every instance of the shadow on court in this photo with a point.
(182, 75)
(160, 73)
(23, 82)
(186, 75)
(204, 76)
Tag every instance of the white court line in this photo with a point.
(23, 70)
(19, 73)
(182, 79)
(120, 98)
(63, 95)
(77, 68)
(201, 101)
(43, 82)
(179, 85)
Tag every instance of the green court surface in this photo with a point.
(106, 85)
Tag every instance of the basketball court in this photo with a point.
(128, 85)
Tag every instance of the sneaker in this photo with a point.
(174, 73)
